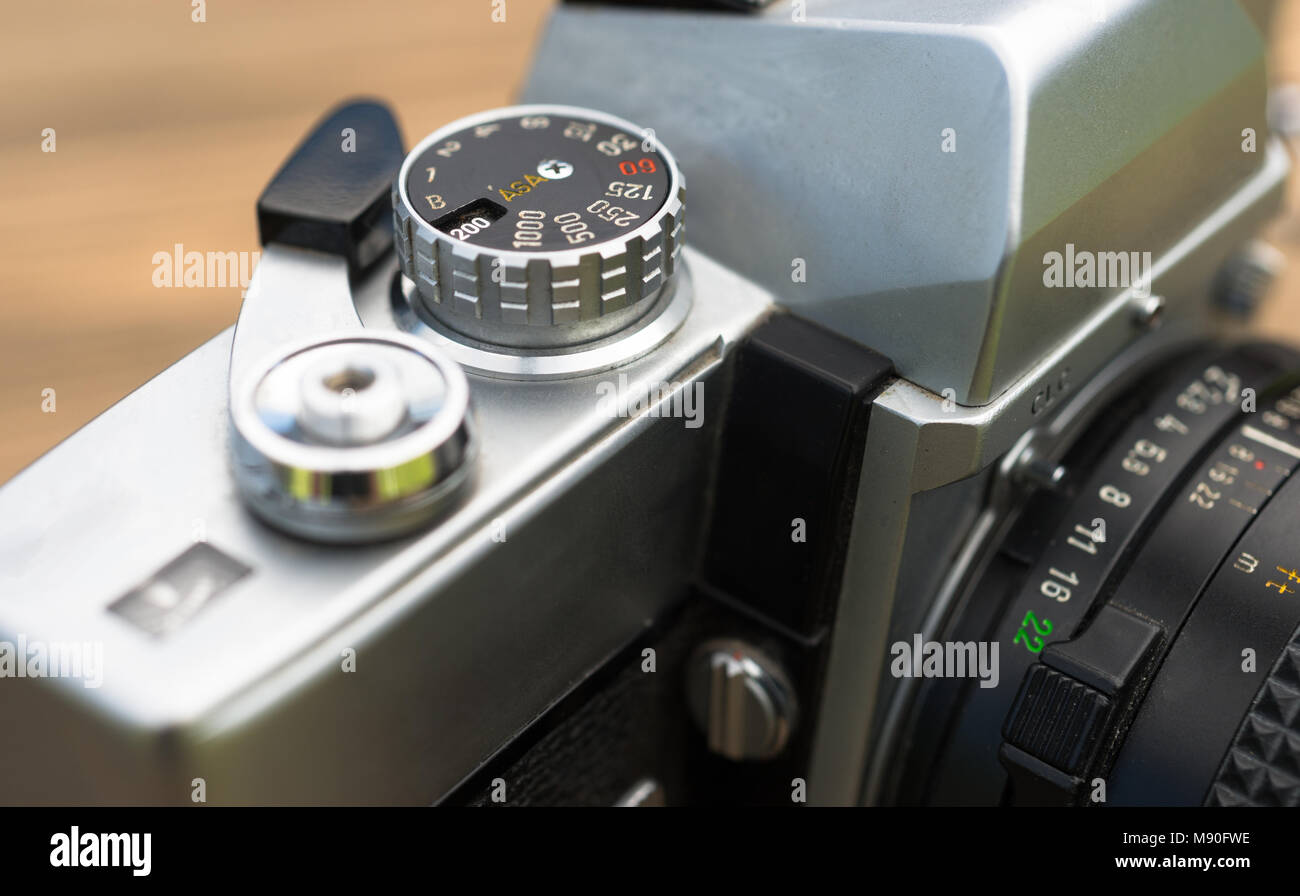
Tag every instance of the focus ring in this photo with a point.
(1262, 767)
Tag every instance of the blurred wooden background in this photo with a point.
(168, 129)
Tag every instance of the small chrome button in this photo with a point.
(741, 699)
(351, 397)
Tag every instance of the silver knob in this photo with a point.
(352, 438)
(1246, 277)
(741, 698)
(538, 226)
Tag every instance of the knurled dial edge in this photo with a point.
(534, 289)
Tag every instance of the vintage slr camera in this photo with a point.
(925, 472)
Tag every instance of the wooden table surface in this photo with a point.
(166, 130)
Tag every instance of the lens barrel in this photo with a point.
(1145, 613)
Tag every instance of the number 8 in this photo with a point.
(1112, 495)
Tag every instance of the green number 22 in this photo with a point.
(1041, 629)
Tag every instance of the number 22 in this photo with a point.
(1041, 628)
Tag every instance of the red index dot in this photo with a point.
(1259, 465)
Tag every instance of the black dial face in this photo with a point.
(538, 182)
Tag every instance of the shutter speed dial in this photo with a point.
(538, 226)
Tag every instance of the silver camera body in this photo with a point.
(895, 175)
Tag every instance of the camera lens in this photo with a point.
(1144, 614)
